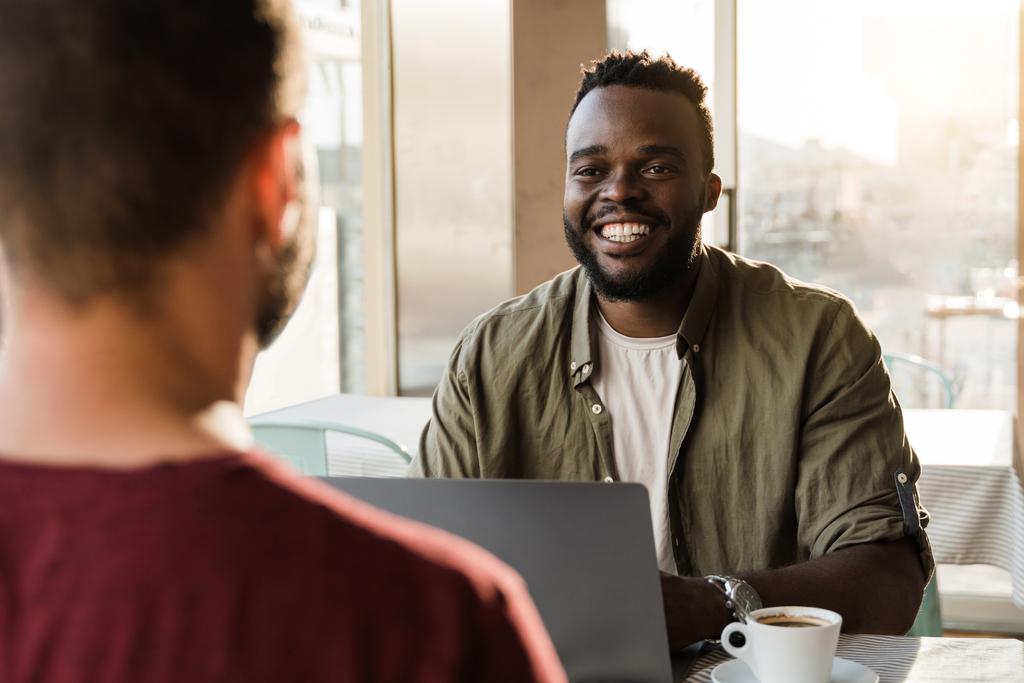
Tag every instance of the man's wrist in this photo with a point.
(694, 610)
(715, 613)
(740, 597)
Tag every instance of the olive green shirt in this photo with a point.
(786, 440)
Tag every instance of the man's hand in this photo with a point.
(694, 610)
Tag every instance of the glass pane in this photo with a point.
(322, 349)
(878, 156)
(452, 123)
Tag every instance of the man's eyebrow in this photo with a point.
(587, 152)
(662, 149)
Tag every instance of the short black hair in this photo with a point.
(123, 124)
(640, 70)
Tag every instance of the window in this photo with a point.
(878, 155)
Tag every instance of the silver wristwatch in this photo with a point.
(740, 596)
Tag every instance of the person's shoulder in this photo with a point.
(307, 553)
(745, 277)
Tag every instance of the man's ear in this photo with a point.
(712, 191)
(274, 169)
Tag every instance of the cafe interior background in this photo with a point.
(871, 146)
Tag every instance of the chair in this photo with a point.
(303, 443)
(916, 380)
(929, 617)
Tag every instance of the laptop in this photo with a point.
(585, 550)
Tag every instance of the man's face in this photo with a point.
(635, 189)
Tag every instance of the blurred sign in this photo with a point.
(331, 34)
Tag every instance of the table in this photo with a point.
(915, 660)
(942, 308)
(971, 486)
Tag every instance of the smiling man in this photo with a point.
(755, 408)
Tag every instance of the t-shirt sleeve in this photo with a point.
(511, 644)
(854, 449)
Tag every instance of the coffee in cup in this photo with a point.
(792, 621)
(786, 644)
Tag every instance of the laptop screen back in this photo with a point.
(586, 551)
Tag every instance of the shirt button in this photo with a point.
(608, 480)
(572, 365)
(696, 348)
(596, 409)
(901, 478)
(586, 368)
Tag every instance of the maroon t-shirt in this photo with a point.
(233, 569)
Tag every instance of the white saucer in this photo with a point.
(843, 671)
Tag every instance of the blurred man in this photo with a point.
(755, 408)
(155, 238)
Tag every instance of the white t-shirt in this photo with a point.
(637, 380)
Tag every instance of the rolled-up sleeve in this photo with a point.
(854, 452)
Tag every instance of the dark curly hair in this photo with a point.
(640, 70)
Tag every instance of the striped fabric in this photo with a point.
(977, 517)
(915, 660)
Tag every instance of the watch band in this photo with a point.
(740, 596)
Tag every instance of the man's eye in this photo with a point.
(588, 171)
(658, 169)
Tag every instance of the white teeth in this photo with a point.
(624, 232)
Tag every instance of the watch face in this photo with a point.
(746, 598)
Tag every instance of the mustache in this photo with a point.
(659, 219)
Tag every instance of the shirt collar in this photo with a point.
(702, 304)
(691, 330)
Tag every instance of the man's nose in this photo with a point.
(623, 186)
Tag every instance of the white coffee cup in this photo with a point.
(786, 644)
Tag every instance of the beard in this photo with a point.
(286, 280)
(677, 258)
